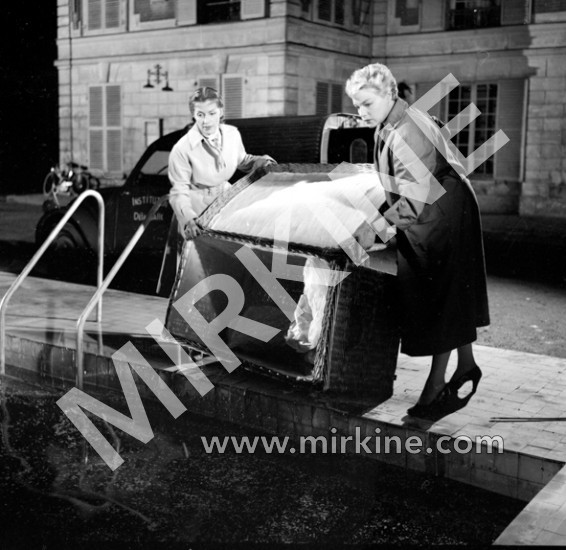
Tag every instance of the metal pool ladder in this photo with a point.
(37, 256)
(97, 297)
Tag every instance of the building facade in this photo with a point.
(127, 67)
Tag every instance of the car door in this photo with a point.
(146, 184)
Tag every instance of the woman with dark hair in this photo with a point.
(405, 92)
(440, 260)
(204, 159)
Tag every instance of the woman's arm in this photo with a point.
(412, 157)
(180, 175)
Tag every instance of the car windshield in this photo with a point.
(156, 164)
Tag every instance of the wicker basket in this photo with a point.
(358, 347)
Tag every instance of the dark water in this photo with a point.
(170, 493)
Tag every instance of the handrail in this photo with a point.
(31, 264)
(106, 283)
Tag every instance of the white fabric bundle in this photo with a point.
(317, 213)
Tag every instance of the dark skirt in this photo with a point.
(441, 274)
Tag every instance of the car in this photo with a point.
(302, 139)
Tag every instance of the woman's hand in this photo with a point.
(365, 236)
(191, 229)
(264, 160)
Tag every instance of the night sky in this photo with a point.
(28, 88)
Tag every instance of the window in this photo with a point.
(484, 96)
(331, 11)
(221, 11)
(472, 14)
(104, 15)
(407, 11)
(152, 13)
(76, 11)
(328, 98)
(154, 10)
(153, 130)
(105, 128)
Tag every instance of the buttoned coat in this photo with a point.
(440, 259)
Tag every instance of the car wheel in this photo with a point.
(67, 258)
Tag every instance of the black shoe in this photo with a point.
(432, 409)
(474, 375)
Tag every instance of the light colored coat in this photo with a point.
(195, 180)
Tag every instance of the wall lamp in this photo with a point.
(159, 75)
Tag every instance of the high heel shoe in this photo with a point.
(474, 375)
(430, 409)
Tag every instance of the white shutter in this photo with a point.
(112, 14)
(209, 81)
(114, 150)
(515, 12)
(510, 115)
(433, 16)
(336, 98)
(95, 109)
(96, 149)
(113, 106)
(321, 98)
(94, 14)
(105, 128)
(186, 12)
(233, 93)
(114, 128)
(250, 9)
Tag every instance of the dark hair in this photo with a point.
(402, 89)
(204, 94)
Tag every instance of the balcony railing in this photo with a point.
(474, 18)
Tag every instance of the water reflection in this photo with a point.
(170, 490)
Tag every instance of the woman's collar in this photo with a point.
(396, 113)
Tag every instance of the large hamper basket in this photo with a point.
(357, 350)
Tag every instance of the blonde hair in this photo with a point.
(376, 76)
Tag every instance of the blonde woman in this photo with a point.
(440, 260)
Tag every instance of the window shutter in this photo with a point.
(356, 11)
(233, 92)
(250, 9)
(113, 108)
(324, 9)
(105, 128)
(321, 98)
(510, 106)
(95, 107)
(114, 150)
(112, 14)
(515, 12)
(94, 14)
(336, 98)
(96, 149)
(338, 12)
(433, 16)
(209, 81)
(186, 12)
